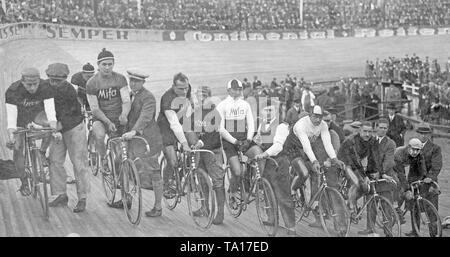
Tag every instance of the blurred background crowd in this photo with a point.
(231, 14)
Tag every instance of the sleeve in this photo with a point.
(75, 80)
(122, 81)
(250, 122)
(388, 162)
(281, 134)
(175, 125)
(11, 115)
(222, 131)
(299, 130)
(11, 97)
(436, 164)
(50, 111)
(91, 87)
(326, 139)
(146, 115)
(125, 95)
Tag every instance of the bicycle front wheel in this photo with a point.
(131, 192)
(171, 196)
(109, 178)
(382, 217)
(425, 219)
(266, 206)
(333, 213)
(200, 198)
(93, 156)
(234, 204)
(41, 183)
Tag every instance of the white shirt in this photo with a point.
(391, 117)
(307, 132)
(235, 110)
(311, 96)
(380, 139)
(281, 134)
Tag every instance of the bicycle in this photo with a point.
(122, 174)
(425, 213)
(36, 173)
(330, 204)
(259, 188)
(378, 205)
(188, 180)
(93, 156)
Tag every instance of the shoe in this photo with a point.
(71, 181)
(153, 213)
(202, 212)
(119, 204)
(411, 234)
(315, 224)
(81, 206)
(365, 232)
(400, 215)
(60, 200)
(291, 232)
(268, 223)
(24, 189)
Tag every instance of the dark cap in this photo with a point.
(88, 68)
(391, 106)
(105, 55)
(57, 70)
(423, 128)
(234, 84)
(383, 120)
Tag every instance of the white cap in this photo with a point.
(317, 110)
(415, 143)
(234, 83)
(137, 74)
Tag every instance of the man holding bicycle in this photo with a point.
(26, 99)
(73, 141)
(109, 99)
(237, 128)
(308, 137)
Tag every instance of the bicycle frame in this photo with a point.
(368, 199)
(416, 191)
(313, 199)
(253, 164)
(189, 165)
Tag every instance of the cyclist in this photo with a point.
(175, 101)
(307, 137)
(272, 136)
(74, 141)
(26, 100)
(80, 79)
(205, 123)
(109, 99)
(237, 129)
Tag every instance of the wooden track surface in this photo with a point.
(210, 64)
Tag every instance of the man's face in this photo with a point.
(327, 119)
(315, 119)
(413, 152)
(55, 81)
(136, 84)
(31, 85)
(382, 129)
(87, 75)
(391, 112)
(365, 132)
(235, 93)
(181, 88)
(423, 137)
(297, 105)
(105, 67)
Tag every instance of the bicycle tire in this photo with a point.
(173, 183)
(234, 206)
(199, 184)
(93, 156)
(332, 206)
(266, 203)
(109, 182)
(41, 183)
(423, 205)
(130, 177)
(386, 211)
(302, 198)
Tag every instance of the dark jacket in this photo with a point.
(68, 109)
(292, 114)
(382, 160)
(396, 130)
(205, 123)
(353, 150)
(338, 130)
(433, 160)
(417, 169)
(142, 119)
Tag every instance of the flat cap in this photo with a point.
(423, 128)
(57, 70)
(30, 73)
(137, 74)
(356, 124)
(415, 143)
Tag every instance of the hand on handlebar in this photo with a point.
(338, 163)
(129, 135)
(388, 178)
(316, 166)
(197, 145)
(261, 156)
(112, 127)
(427, 180)
(185, 147)
(57, 135)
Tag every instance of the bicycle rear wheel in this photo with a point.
(266, 206)
(131, 192)
(234, 204)
(382, 217)
(172, 197)
(333, 213)
(41, 183)
(109, 178)
(425, 219)
(302, 196)
(93, 156)
(200, 198)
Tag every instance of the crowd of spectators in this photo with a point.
(232, 14)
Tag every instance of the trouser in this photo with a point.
(212, 164)
(75, 143)
(280, 181)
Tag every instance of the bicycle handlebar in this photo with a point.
(33, 129)
(382, 180)
(418, 182)
(200, 151)
(254, 160)
(120, 139)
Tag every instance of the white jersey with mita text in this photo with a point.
(236, 119)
